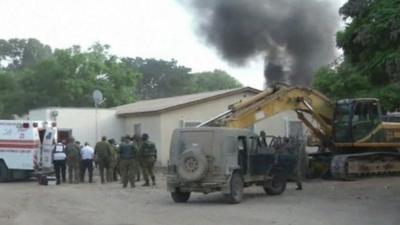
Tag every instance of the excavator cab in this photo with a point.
(354, 119)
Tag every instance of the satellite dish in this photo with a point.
(97, 97)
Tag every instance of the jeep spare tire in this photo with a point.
(192, 165)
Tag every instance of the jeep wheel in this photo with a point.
(4, 172)
(236, 189)
(275, 186)
(180, 197)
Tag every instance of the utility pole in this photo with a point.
(98, 100)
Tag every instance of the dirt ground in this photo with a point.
(370, 201)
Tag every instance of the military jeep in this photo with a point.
(224, 159)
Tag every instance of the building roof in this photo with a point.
(167, 104)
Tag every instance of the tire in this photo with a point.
(192, 165)
(275, 186)
(4, 172)
(236, 189)
(180, 197)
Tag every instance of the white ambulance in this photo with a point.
(25, 147)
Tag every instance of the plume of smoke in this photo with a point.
(295, 37)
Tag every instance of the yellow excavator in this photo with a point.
(353, 140)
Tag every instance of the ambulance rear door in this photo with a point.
(47, 147)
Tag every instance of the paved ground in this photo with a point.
(371, 201)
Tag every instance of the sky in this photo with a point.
(161, 29)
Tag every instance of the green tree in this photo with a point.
(371, 50)
(160, 78)
(32, 75)
(70, 77)
(341, 82)
(11, 95)
(21, 53)
(214, 80)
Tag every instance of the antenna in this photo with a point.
(97, 97)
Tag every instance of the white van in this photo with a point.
(25, 147)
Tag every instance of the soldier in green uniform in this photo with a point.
(73, 160)
(137, 143)
(301, 166)
(148, 156)
(114, 160)
(103, 156)
(127, 163)
(297, 147)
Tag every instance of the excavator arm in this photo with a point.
(280, 99)
(317, 112)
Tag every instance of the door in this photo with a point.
(365, 119)
(64, 134)
(342, 124)
(47, 147)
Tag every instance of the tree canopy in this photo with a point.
(17, 53)
(160, 78)
(371, 54)
(214, 80)
(33, 75)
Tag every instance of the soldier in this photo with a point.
(127, 162)
(148, 156)
(73, 161)
(103, 155)
(137, 143)
(297, 147)
(79, 146)
(114, 160)
(263, 139)
(302, 165)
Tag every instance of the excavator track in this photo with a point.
(353, 166)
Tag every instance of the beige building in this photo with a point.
(159, 117)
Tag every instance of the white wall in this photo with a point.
(276, 125)
(39, 114)
(82, 121)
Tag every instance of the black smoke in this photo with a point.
(295, 37)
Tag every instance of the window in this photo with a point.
(295, 129)
(360, 113)
(188, 124)
(374, 113)
(342, 122)
(342, 113)
(191, 124)
(200, 139)
(137, 128)
(365, 119)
